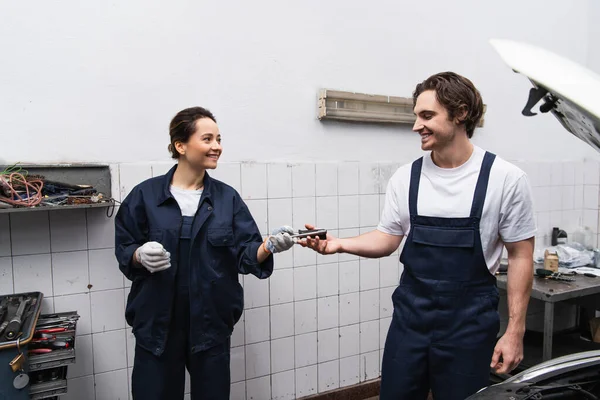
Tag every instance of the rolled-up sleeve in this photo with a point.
(248, 240)
(131, 232)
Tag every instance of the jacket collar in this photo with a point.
(165, 194)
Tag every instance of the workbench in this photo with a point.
(583, 291)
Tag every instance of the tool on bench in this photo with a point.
(557, 276)
(14, 326)
(312, 233)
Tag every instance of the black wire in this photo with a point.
(110, 210)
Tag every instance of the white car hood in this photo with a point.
(568, 90)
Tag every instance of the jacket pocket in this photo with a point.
(227, 297)
(220, 237)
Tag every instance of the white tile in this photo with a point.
(238, 391)
(100, 229)
(349, 276)
(386, 306)
(349, 212)
(304, 256)
(282, 320)
(230, 173)
(384, 327)
(257, 325)
(254, 181)
(344, 234)
(161, 168)
(238, 336)
(369, 366)
(369, 336)
(281, 286)
(80, 388)
(306, 349)
(556, 174)
(543, 198)
(108, 310)
(349, 340)
(33, 274)
(280, 180)
(79, 303)
(258, 209)
(238, 364)
(30, 233)
(329, 376)
(280, 213)
(303, 180)
(349, 308)
(568, 173)
(131, 175)
(368, 178)
(568, 197)
(590, 197)
(282, 354)
(326, 179)
(112, 385)
(306, 381)
(4, 236)
(70, 273)
(283, 386)
(386, 171)
(305, 283)
(369, 210)
(84, 362)
(305, 316)
(328, 345)
(327, 280)
(590, 218)
(47, 305)
(284, 259)
(304, 211)
(544, 174)
(327, 212)
(578, 197)
(130, 341)
(68, 230)
(348, 178)
(104, 270)
(369, 305)
(258, 360)
(256, 292)
(110, 351)
(349, 371)
(327, 312)
(369, 274)
(591, 173)
(258, 389)
(6, 275)
(388, 271)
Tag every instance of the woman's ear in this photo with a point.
(180, 147)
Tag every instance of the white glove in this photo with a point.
(153, 256)
(280, 240)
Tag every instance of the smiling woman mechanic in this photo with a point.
(182, 238)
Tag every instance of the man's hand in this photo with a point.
(153, 257)
(330, 245)
(510, 349)
(280, 240)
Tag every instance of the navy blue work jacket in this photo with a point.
(225, 240)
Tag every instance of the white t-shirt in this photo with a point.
(448, 192)
(188, 200)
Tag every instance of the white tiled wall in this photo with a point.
(317, 324)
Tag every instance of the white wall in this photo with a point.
(99, 81)
(594, 37)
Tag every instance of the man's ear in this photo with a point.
(461, 115)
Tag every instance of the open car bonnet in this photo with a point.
(568, 90)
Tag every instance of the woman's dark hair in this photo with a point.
(183, 125)
(456, 94)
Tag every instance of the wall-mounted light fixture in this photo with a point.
(349, 106)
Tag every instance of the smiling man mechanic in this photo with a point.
(458, 206)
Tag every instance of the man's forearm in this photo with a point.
(372, 244)
(519, 282)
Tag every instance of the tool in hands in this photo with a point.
(285, 237)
